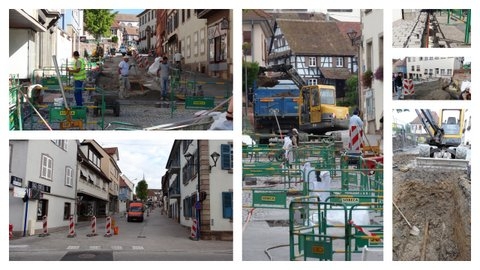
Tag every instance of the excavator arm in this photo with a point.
(430, 125)
(290, 73)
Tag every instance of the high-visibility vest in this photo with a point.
(81, 75)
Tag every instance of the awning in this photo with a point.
(21, 20)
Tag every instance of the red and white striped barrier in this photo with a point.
(71, 232)
(10, 231)
(373, 236)
(93, 225)
(143, 62)
(355, 143)
(193, 233)
(408, 88)
(108, 227)
(45, 227)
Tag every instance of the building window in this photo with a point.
(61, 143)
(189, 49)
(326, 62)
(312, 61)
(46, 167)
(185, 145)
(442, 72)
(68, 176)
(449, 71)
(413, 68)
(217, 43)
(42, 209)
(247, 40)
(67, 210)
(370, 100)
(339, 62)
(188, 13)
(227, 204)
(418, 67)
(93, 158)
(202, 41)
(195, 43)
(227, 156)
(188, 205)
(189, 171)
(312, 82)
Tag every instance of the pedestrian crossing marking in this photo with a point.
(95, 247)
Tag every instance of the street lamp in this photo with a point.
(214, 157)
(356, 41)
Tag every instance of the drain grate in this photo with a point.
(278, 223)
(88, 255)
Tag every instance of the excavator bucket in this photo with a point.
(436, 163)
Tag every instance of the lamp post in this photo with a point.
(356, 41)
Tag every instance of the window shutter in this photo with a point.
(227, 203)
(226, 160)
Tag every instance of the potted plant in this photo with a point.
(367, 78)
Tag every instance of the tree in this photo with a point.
(99, 22)
(351, 95)
(141, 190)
(114, 39)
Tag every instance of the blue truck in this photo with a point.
(277, 103)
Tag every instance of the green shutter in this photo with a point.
(227, 203)
(226, 159)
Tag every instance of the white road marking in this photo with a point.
(137, 248)
(19, 246)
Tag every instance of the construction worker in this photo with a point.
(355, 132)
(79, 76)
(123, 70)
(295, 138)
(287, 148)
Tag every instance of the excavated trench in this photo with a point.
(438, 203)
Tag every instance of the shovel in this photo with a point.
(413, 229)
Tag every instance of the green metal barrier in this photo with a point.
(15, 122)
(310, 232)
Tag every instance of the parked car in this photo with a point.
(123, 50)
(135, 211)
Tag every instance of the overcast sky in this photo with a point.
(142, 157)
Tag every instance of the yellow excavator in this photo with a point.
(444, 145)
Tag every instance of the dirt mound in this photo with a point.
(438, 203)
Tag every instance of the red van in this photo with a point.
(135, 211)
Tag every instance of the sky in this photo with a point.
(129, 11)
(140, 158)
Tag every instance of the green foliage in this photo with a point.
(99, 21)
(142, 190)
(252, 73)
(114, 39)
(351, 95)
